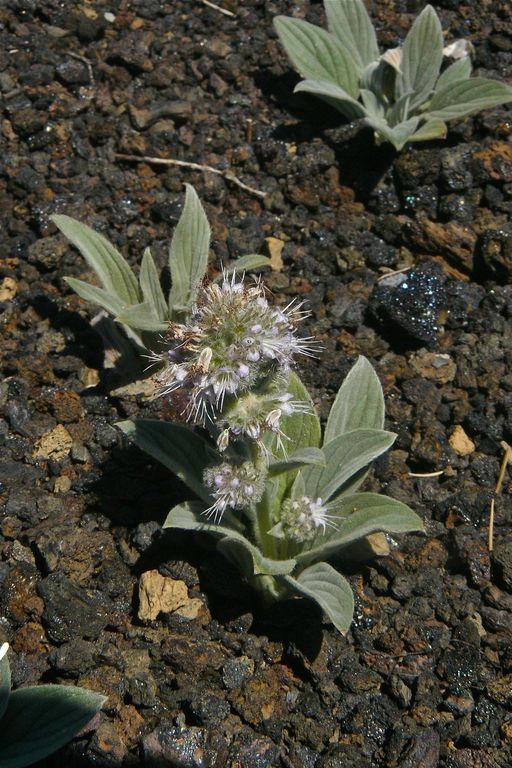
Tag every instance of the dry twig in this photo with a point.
(426, 474)
(84, 61)
(194, 166)
(507, 459)
(217, 8)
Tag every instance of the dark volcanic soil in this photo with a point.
(424, 677)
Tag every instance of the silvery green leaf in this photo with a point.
(468, 96)
(141, 316)
(188, 254)
(333, 95)
(399, 111)
(432, 129)
(5, 679)
(300, 458)
(421, 58)
(359, 403)
(316, 54)
(246, 263)
(184, 452)
(151, 289)
(301, 430)
(41, 719)
(96, 295)
(459, 70)
(188, 517)
(358, 516)
(113, 271)
(373, 105)
(349, 22)
(344, 457)
(323, 584)
(397, 136)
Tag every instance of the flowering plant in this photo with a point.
(402, 94)
(37, 720)
(279, 497)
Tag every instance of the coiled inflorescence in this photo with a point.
(233, 486)
(233, 342)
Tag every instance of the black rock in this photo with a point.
(71, 611)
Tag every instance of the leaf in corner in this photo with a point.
(42, 718)
(359, 403)
(151, 288)
(112, 269)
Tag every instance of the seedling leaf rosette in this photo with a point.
(403, 94)
(279, 497)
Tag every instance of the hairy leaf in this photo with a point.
(344, 457)
(188, 254)
(359, 403)
(397, 136)
(41, 719)
(188, 517)
(323, 584)
(300, 458)
(151, 288)
(349, 22)
(432, 129)
(184, 452)
(333, 95)
(468, 96)
(249, 262)
(113, 271)
(316, 54)
(141, 316)
(301, 430)
(358, 516)
(95, 295)
(459, 70)
(422, 56)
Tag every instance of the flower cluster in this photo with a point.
(302, 518)
(233, 340)
(234, 486)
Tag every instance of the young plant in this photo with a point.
(140, 304)
(37, 720)
(402, 94)
(279, 498)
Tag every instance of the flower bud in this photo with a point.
(234, 486)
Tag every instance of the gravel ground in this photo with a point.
(424, 677)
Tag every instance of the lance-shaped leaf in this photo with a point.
(432, 129)
(323, 584)
(113, 271)
(422, 56)
(459, 70)
(334, 95)
(468, 96)
(397, 136)
(151, 288)
(5, 679)
(248, 262)
(349, 22)
(297, 459)
(41, 719)
(141, 316)
(188, 254)
(316, 54)
(359, 403)
(301, 430)
(184, 452)
(189, 517)
(344, 457)
(95, 295)
(359, 515)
